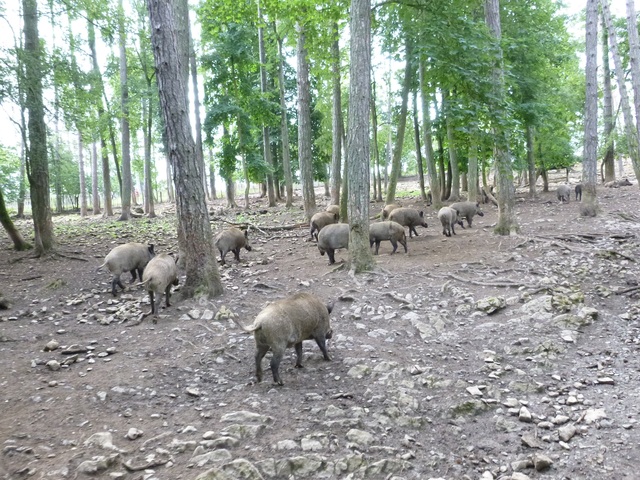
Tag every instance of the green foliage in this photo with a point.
(9, 173)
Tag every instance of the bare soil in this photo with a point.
(409, 346)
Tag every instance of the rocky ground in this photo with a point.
(470, 357)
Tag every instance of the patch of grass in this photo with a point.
(57, 283)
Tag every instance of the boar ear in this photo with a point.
(421, 213)
(330, 305)
(246, 233)
(150, 248)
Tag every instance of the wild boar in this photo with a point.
(392, 231)
(449, 217)
(232, 240)
(321, 220)
(334, 209)
(578, 191)
(331, 238)
(618, 183)
(159, 275)
(467, 210)
(387, 209)
(564, 193)
(287, 323)
(129, 257)
(408, 217)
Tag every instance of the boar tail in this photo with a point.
(330, 305)
(249, 329)
(101, 266)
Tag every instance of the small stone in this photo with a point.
(606, 381)
(194, 392)
(53, 365)
(541, 462)
(51, 346)
(567, 432)
(531, 441)
(560, 419)
(134, 433)
(475, 391)
(594, 414)
(189, 429)
(524, 415)
(519, 476)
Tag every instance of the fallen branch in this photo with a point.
(489, 284)
(627, 290)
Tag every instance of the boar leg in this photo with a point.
(404, 244)
(167, 294)
(320, 340)
(134, 276)
(261, 351)
(275, 366)
(395, 246)
(298, 348)
(153, 302)
(413, 229)
(377, 242)
(114, 282)
(236, 253)
(332, 258)
(222, 255)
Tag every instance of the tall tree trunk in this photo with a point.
(284, 129)
(472, 187)
(506, 217)
(629, 126)
(196, 109)
(106, 174)
(125, 194)
(634, 58)
(212, 175)
(344, 193)
(589, 204)
(266, 142)
(149, 205)
(336, 118)
(194, 231)
(357, 152)
(83, 178)
(607, 110)
(531, 162)
(377, 182)
(22, 179)
(454, 194)
(434, 180)
(37, 164)
(304, 127)
(396, 164)
(18, 242)
(228, 175)
(95, 196)
(416, 133)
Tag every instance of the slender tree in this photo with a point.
(629, 125)
(95, 195)
(416, 134)
(589, 204)
(194, 231)
(83, 178)
(506, 217)
(434, 179)
(15, 236)
(634, 57)
(357, 152)
(607, 110)
(37, 165)
(454, 194)
(336, 118)
(304, 126)
(284, 128)
(196, 107)
(125, 194)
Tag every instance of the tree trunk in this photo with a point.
(607, 111)
(83, 179)
(454, 194)
(228, 175)
(196, 109)
(357, 151)
(149, 206)
(416, 132)
(336, 119)
(304, 127)
(629, 126)
(472, 187)
(634, 58)
(284, 129)
(266, 142)
(531, 162)
(589, 204)
(37, 165)
(212, 175)
(434, 181)
(170, 192)
(194, 231)
(18, 242)
(396, 163)
(95, 196)
(106, 175)
(506, 217)
(377, 182)
(21, 178)
(125, 194)
(344, 193)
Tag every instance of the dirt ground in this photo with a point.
(470, 357)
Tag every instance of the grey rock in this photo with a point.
(215, 456)
(97, 464)
(524, 415)
(245, 416)
(360, 437)
(541, 462)
(134, 433)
